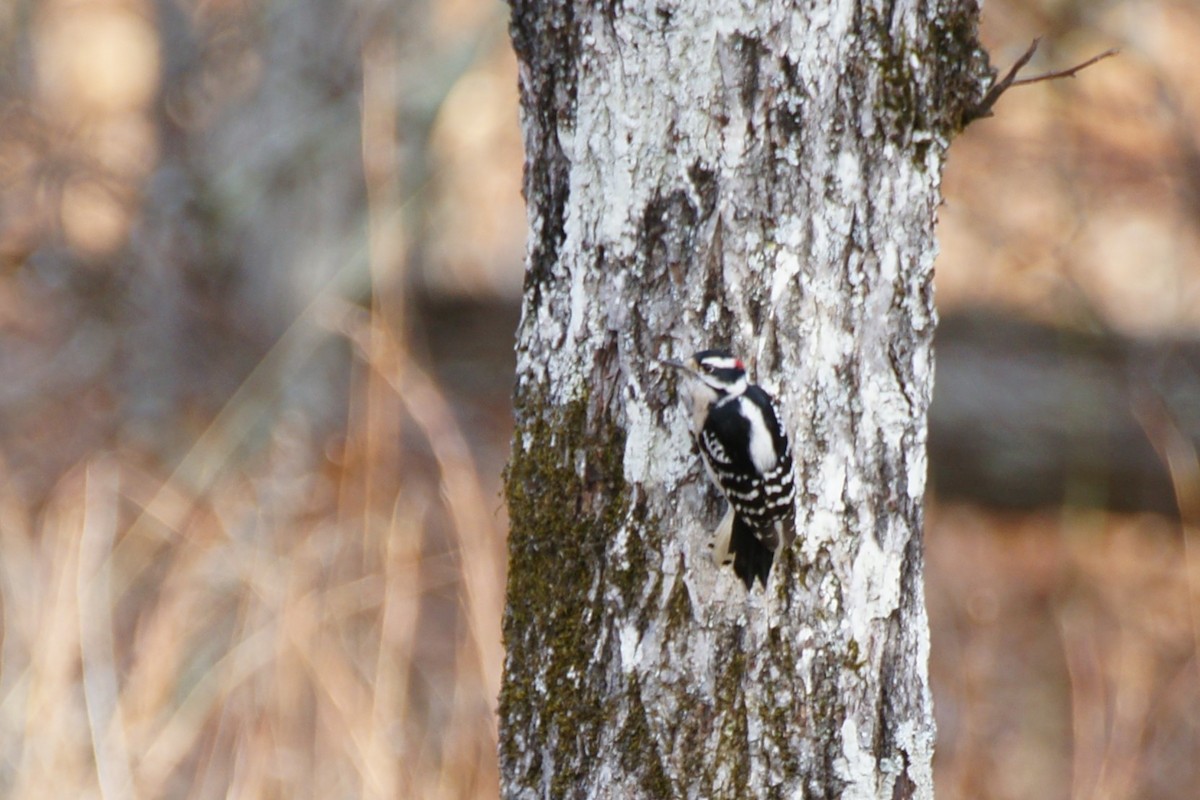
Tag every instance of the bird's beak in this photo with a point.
(670, 362)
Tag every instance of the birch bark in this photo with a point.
(762, 175)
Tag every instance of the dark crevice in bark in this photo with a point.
(750, 50)
(546, 41)
(705, 183)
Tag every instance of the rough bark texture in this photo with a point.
(763, 176)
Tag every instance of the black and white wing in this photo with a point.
(747, 454)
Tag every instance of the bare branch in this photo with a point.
(984, 107)
(1067, 73)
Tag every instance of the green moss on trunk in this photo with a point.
(567, 499)
(640, 754)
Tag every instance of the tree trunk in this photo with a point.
(765, 177)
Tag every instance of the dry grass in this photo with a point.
(1064, 656)
(321, 622)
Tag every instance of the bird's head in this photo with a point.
(718, 370)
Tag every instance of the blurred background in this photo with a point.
(260, 266)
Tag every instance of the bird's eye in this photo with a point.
(707, 368)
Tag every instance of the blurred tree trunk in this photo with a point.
(256, 204)
(1029, 416)
(764, 176)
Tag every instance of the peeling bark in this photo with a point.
(764, 177)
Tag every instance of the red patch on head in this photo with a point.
(737, 362)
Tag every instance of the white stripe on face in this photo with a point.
(718, 362)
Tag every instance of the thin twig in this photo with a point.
(1067, 73)
(984, 107)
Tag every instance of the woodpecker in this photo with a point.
(746, 453)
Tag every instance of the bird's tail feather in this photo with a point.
(751, 557)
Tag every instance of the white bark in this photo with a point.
(761, 176)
